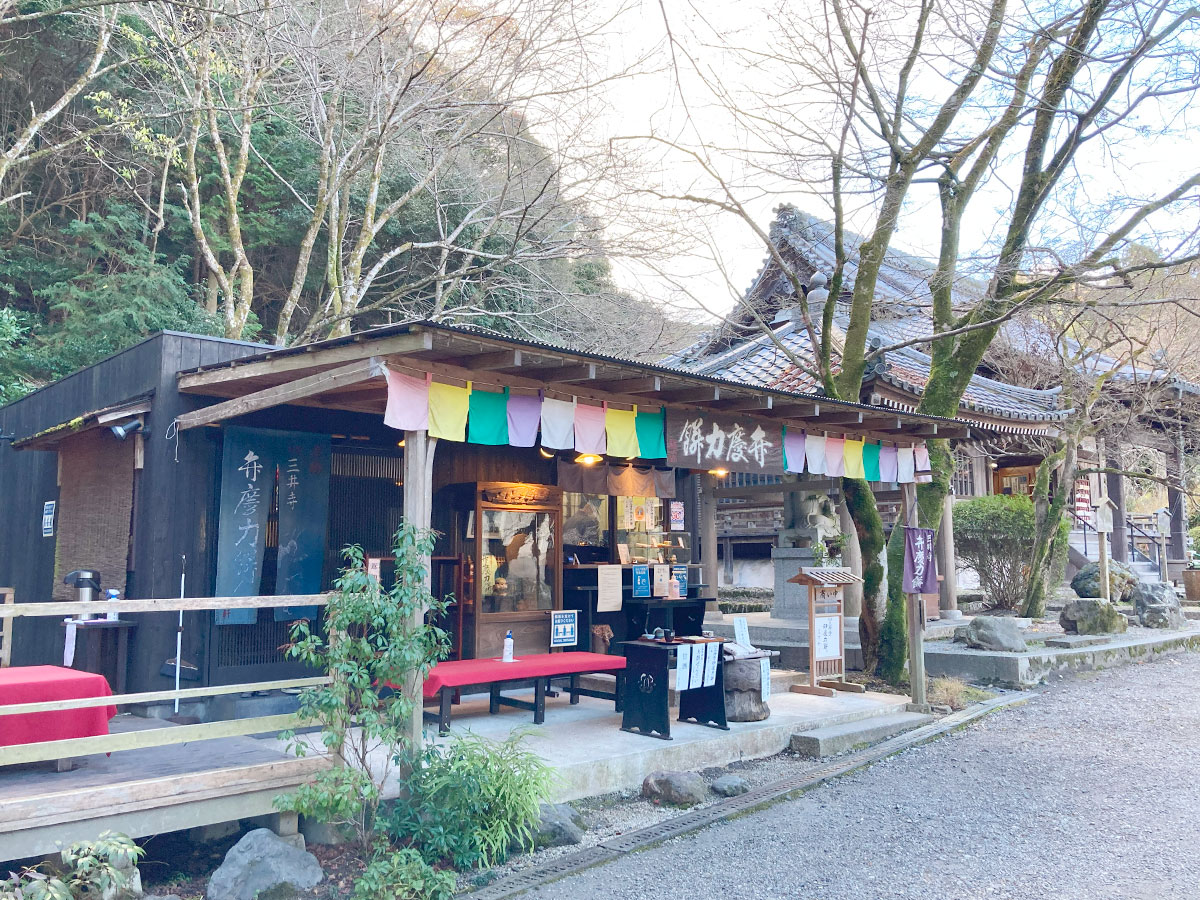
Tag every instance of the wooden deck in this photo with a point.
(147, 791)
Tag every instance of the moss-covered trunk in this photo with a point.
(860, 501)
(1049, 539)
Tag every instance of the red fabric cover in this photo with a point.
(34, 684)
(463, 672)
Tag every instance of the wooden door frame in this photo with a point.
(515, 497)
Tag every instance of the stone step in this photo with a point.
(835, 739)
(1066, 641)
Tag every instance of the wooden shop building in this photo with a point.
(202, 467)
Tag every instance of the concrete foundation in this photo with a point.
(1036, 665)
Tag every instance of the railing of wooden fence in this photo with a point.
(152, 737)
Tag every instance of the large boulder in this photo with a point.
(743, 691)
(261, 862)
(994, 633)
(560, 824)
(1121, 580)
(1089, 616)
(675, 788)
(1157, 605)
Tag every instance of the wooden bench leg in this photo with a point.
(494, 702)
(539, 701)
(445, 696)
(574, 689)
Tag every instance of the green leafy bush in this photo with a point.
(90, 868)
(995, 536)
(377, 637)
(472, 800)
(402, 875)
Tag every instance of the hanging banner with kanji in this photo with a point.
(920, 569)
(303, 517)
(247, 489)
(701, 440)
(255, 463)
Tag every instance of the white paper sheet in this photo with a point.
(683, 667)
(741, 633)
(826, 642)
(765, 673)
(69, 644)
(660, 577)
(712, 656)
(608, 584)
(698, 660)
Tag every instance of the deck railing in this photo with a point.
(153, 737)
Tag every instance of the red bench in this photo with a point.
(450, 677)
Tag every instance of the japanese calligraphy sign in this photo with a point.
(920, 570)
(260, 468)
(701, 440)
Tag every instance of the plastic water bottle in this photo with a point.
(508, 647)
(113, 594)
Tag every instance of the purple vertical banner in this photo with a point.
(920, 569)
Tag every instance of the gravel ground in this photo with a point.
(1087, 791)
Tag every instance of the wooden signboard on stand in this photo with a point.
(826, 641)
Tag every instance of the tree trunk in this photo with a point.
(1048, 515)
(860, 501)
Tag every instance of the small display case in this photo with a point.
(644, 533)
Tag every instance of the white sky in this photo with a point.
(654, 103)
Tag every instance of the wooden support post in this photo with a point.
(916, 617)
(1102, 540)
(948, 563)
(708, 545)
(7, 596)
(1116, 493)
(418, 508)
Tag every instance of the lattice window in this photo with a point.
(964, 474)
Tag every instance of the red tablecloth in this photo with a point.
(33, 684)
(463, 672)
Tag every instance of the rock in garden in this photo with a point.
(675, 788)
(1088, 616)
(1120, 579)
(260, 862)
(960, 634)
(743, 691)
(730, 785)
(561, 824)
(995, 633)
(1157, 605)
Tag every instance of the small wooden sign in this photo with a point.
(826, 642)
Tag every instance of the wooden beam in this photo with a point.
(798, 410)
(14, 709)
(650, 384)
(568, 374)
(816, 486)
(308, 386)
(743, 403)
(314, 356)
(45, 751)
(692, 395)
(486, 362)
(840, 418)
(170, 604)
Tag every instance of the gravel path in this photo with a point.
(1090, 790)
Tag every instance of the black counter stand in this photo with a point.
(647, 698)
(647, 684)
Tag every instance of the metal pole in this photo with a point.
(179, 629)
